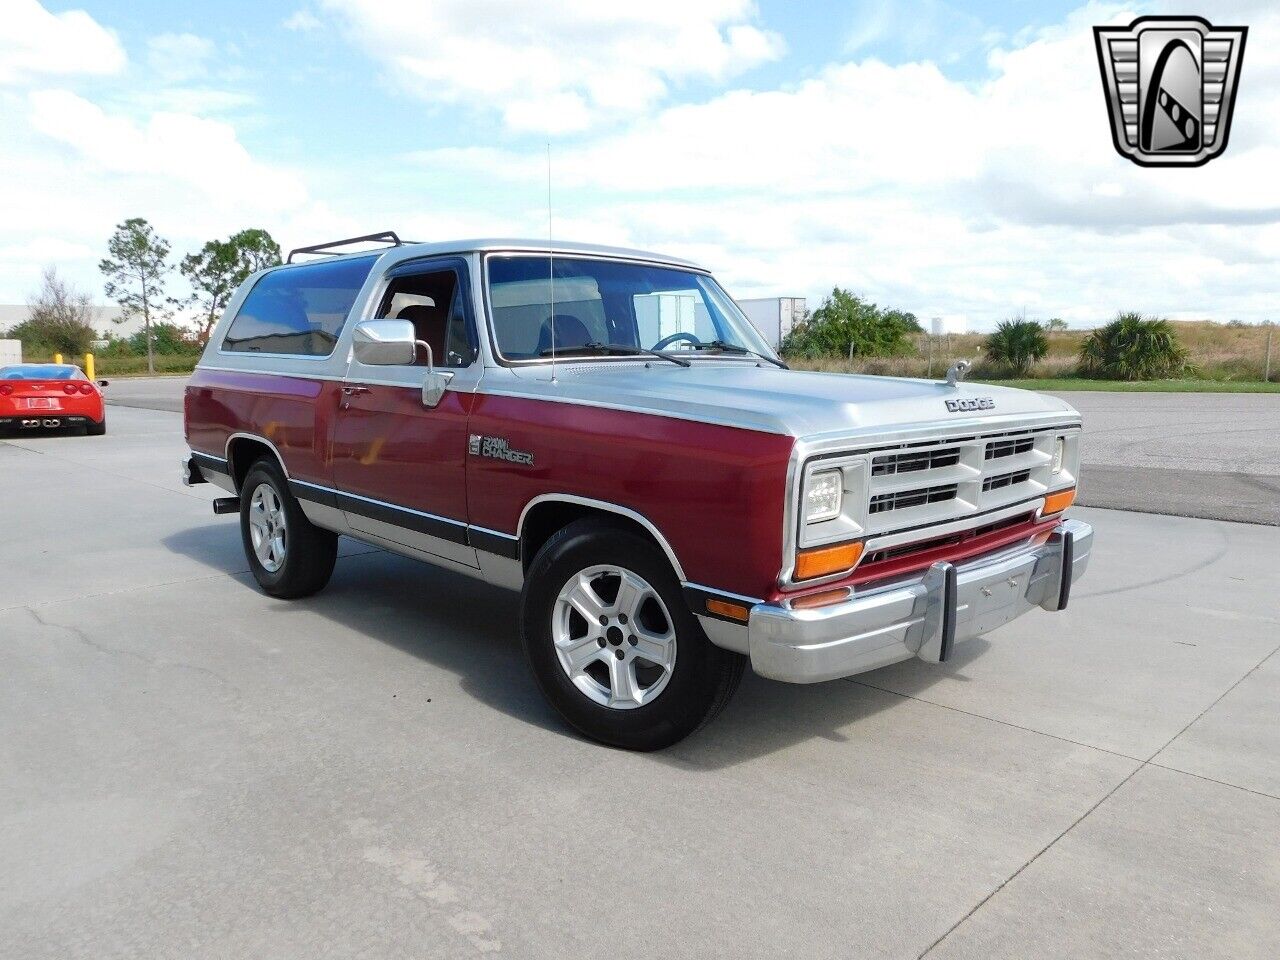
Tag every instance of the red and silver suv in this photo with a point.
(605, 432)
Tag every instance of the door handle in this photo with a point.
(353, 391)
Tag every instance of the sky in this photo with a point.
(951, 159)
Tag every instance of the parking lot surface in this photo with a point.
(191, 768)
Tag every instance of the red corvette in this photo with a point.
(49, 396)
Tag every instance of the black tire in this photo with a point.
(96, 428)
(309, 552)
(704, 676)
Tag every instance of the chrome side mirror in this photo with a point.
(434, 383)
(384, 343)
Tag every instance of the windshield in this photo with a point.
(35, 371)
(611, 303)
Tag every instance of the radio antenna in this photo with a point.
(551, 256)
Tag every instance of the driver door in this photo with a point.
(399, 464)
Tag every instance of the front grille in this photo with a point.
(997, 449)
(902, 499)
(895, 463)
(1005, 480)
(917, 484)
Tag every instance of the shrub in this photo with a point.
(1017, 344)
(1134, 347)
(165, 338)
(59, 319)
(845, 321)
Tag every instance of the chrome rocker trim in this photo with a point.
(923, 618)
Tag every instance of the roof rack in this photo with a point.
(326, 249)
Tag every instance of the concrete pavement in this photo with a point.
(190, 768)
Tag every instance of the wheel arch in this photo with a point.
(243, 449)
(549, 512)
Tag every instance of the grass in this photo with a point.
(1223, 359)
(107, 366)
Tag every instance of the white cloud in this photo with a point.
(302, 21)
(200, 153)
(74, 169)
(557, 67)
(35, 42)
(177, 57)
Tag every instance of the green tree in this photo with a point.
(1134, 347)
(216, 271)
(59, 318)
(1056, 325)
(848, 325)
(1017, 344)
(136, 269)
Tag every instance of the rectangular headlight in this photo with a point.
(823, 495)
(1058, 446)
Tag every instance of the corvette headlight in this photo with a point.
(823, 496)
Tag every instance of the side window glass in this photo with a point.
(460, 345)
(433, 303)
(298, 310)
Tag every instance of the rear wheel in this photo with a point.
(612, 643)
(97, 428)
(288, 555)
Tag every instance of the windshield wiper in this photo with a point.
(615, 348)
(724, 347)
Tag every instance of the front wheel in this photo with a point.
(612, 643)
(288, 555)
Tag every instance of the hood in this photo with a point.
(790, 402)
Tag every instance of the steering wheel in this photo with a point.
(681, 335)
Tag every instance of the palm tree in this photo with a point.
(1134, 347)
(1017, 344)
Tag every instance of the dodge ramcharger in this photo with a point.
(605, 432)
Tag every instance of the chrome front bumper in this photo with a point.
(923, 618)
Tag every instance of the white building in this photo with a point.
(774, 317)
(12, 314)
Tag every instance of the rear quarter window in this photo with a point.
(298, 310)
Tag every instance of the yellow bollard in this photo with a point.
(88, 366)
(57, 358)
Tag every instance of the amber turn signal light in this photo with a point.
(1057, 502)
(821, 561)
(722, 608)
(823, 598)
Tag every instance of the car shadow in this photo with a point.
(475, 636)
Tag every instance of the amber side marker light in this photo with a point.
(821, 561)
(1057, 502)
(734, 611)
(823, 599)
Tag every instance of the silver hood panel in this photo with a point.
(766, 398)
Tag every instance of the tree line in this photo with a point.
(137, 272)
(1130, 347)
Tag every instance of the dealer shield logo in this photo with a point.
(1170, 84)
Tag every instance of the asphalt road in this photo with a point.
(1213, 455)
(189, 768)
